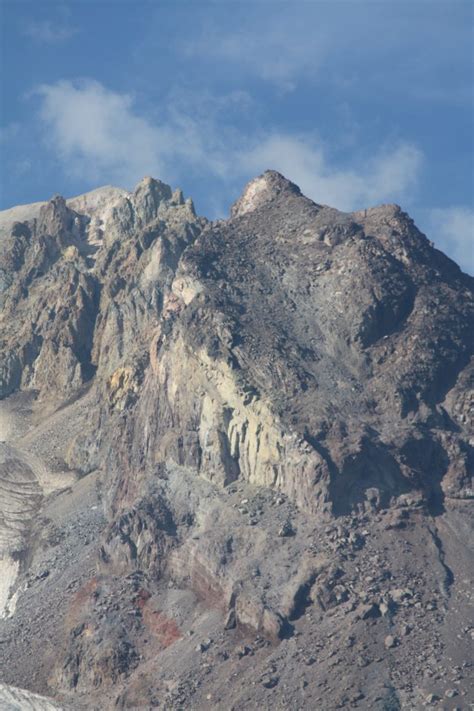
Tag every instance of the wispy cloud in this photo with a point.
(389, 175)
(96, 134)
(452, 230)
(280, 47)
(99, 135)
(48, 32)
(353, 44)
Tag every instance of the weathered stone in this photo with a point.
(269, 682)
(369, 611)
(451, 693)
(188, 367)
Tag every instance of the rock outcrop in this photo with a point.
(266, 408)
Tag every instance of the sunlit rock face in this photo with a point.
(12, 699)
(240, 431)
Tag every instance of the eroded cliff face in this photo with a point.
(319, 360)
(307, 350)
(80, 289)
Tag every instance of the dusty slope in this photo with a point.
(251, 450)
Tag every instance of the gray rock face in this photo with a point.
(62, 274)
(273, 412)
(324, 352)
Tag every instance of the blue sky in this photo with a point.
(359, 102)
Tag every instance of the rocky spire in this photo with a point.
(261, 190)
(148, 196)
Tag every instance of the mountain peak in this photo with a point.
(261, 190)
(232, 427)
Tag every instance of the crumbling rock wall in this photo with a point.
(293, 346)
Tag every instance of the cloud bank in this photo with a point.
(95, 133)
(99, 135)
(388, 175)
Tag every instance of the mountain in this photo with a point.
(236, 456)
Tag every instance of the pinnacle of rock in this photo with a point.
(151, 192)
(261, 190)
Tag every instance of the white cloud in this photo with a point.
(48, 32)
(452, 230)
(389, 175)
(360, 44)
(97, 134)
(276, 47)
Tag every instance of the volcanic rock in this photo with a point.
(256, 431)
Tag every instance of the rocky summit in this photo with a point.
(235, 456)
